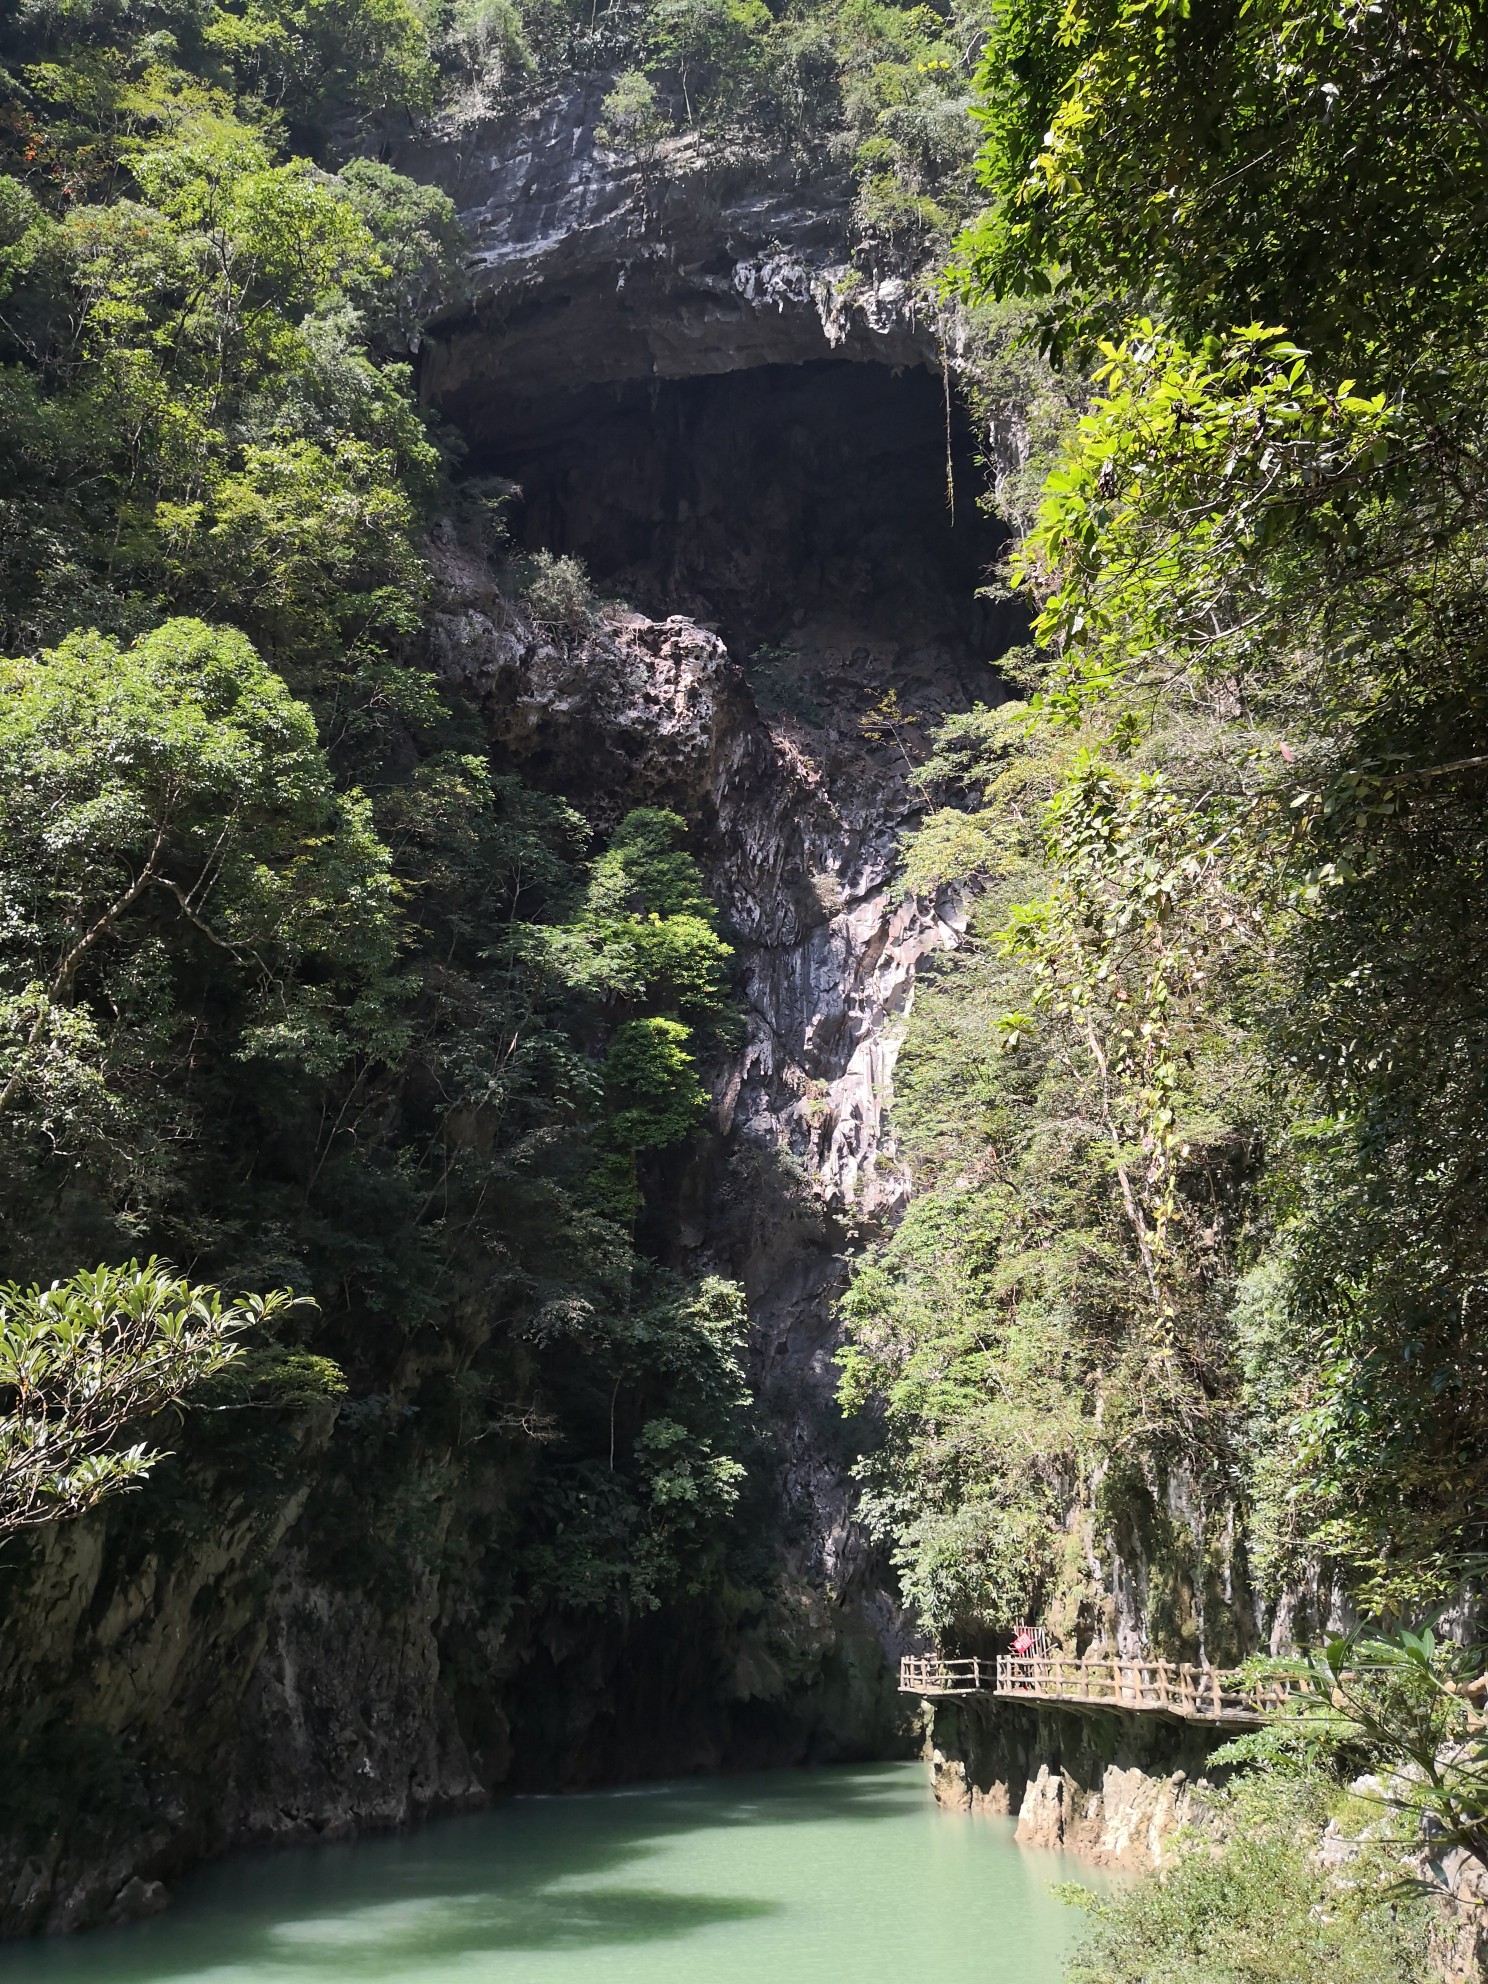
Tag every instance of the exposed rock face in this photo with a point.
(757, 453)
(1116, 1789)
(590, 268)
(1162, 1567)
(797, 822)
(664, 365)
(362, 1739)
(1459, 1940)
(1457, 1937)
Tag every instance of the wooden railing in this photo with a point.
(930, 1675)
(1160, 1687)
(1165, 1687)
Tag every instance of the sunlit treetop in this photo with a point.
(1300, 162)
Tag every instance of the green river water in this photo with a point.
(805, 1877)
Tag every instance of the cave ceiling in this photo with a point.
(697, 395)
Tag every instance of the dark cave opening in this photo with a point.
(752, 499)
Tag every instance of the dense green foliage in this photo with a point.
(1315, 165)
(1323, 1855)
(1328, 1853)
(879, 87)
(1410, 1706)
(1011, 1326)
(1247, 793)
(1256, 1902)
(294, 989)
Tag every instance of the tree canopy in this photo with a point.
(295, 987)
(1229, 849)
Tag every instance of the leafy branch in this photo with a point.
(87, 1358)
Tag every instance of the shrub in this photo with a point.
(557, 591)
(1257, 1905)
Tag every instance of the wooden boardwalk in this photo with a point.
(930, 1675)
(1213, 1696)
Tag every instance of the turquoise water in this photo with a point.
(804, 1877)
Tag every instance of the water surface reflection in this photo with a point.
(791, 1878)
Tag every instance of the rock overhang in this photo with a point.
(585, 268)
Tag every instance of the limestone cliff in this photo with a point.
(1115, 1789)
(301, 1629)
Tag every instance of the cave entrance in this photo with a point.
(755, 500)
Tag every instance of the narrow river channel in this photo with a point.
(805, 1877)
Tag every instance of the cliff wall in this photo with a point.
(1115, 1789)
(306, 1624)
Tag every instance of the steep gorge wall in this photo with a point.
(300, 1629)
(676, 382)
(311, 1631)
